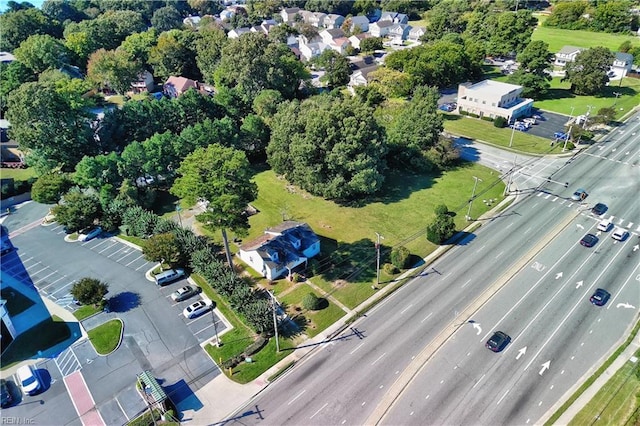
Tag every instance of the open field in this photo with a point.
(17, 174)
(557, 38)
(561, 100)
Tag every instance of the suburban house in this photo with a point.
(227, 14)
(398, 33)
(281, 249)
(361, 22)
(309, 51)
(237, 32)
(567, 54)
(192, 21)
(395, 17)
(416, 33)
(144, 83)
(622, 64)
(333, 21)
(6, 57)
(380, 28)
(176, 86)
(493, 99)
(288, 14)
(328, 36)
(356, 39)
(360, 75)
(316, 19)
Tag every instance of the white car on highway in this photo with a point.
(619, 234)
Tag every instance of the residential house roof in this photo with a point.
(570, 50)
(181, 84)
(491, 88)
(382, 24)
(335, 32)
(359, 20)
(627, 58)
(6, 57)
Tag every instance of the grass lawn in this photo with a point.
(40, 337)
(18, 174)
(561, 100)
(617, 402)
(85, 311)
(557, 38)
(105, 337)
(316, 321)
(483, 130)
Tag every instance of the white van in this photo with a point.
(169, 276)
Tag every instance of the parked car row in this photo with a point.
(28, 380)
(195, 309)
(448, 107)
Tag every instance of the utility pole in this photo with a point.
(378, 237)
(571, 115)
(616, 94)
(507, 189)
(473, 194)
(586, 116)
(513, 131)
(215, 329)
(566, 139)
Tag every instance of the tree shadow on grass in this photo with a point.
(350, 260)
(558, 94)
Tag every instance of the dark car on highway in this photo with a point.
(600, 297)
(579, 195)
(498, 341)
(599, 209)
(589, 240)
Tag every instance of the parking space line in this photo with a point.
(45, 277)
(105, 241)
(122, 409)
(117, 251)
(101, 251)
(37, 272)
(134, 260)
(203, 329)
(125, 256)
(142, 266)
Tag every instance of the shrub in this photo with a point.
(89, 291)
(485, 118)
(500, 122)
(390, 269)
(311, 302)
(442, 228)
(400, 257)
(255, 346)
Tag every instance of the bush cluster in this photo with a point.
(12, 187)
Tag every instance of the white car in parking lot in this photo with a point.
(619, 234)
(89, 233)
(196, 309)
(29, 382)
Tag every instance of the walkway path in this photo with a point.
(82, 400)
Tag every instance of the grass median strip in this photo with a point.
(106, 337)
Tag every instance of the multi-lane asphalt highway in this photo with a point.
(419, 357)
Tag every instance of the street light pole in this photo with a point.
(507, 189)
(215, 329)
(473, 194)
(513, 131)
(566, 139)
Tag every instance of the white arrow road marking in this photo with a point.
(636, 247)
(558, 275)
(521, 352)
(579, 284)
(545, 367)
(625, 305)
(579, 226)
(598, 233)
(477, 327)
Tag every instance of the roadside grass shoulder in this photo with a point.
(85, 311)
(557, 38)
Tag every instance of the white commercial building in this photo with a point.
(493, 99)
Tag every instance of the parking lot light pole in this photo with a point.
(473, 194)
(513, 132)
(275, 320)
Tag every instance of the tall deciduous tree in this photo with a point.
(532, 74)
(41, 52)
(49, 188)
(336, 68)
(138, 45)
(13, 75)
(166, 18)
(43, 120)
(78, 211)
(329, 146)
(588, 73)
(209, 51)
(175, 54)
(89, 291)
(222, 177)
(96, 172)
(113, 69)
(163, 248)
(252, 63)
(512, 33)
(416, 129)
(18, 25)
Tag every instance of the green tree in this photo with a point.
(612, 16)
(78, 211)
(254, 135)
(209, 51)
(162, 248)
(98, 171)
(252, 63)
(13, 75)
(175, 54)
(138, 45)
(568, 15)
(61, 11)
(41, 52)
(415, 130)
(442, 228)
(588, 73)
(336, 68)
(512, 33)
(266, 104)
(311, 302)
(18, 25)
(49, 188)
(447, 16)
(370, 44)
(205, 133)
(222, 177)
(329, 146)
(45, 121)
(166, 18)
(400, 257)
(535, 62)
(89, 291)
(391, 83)
(113, 69)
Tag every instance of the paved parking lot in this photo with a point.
(156, 335)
